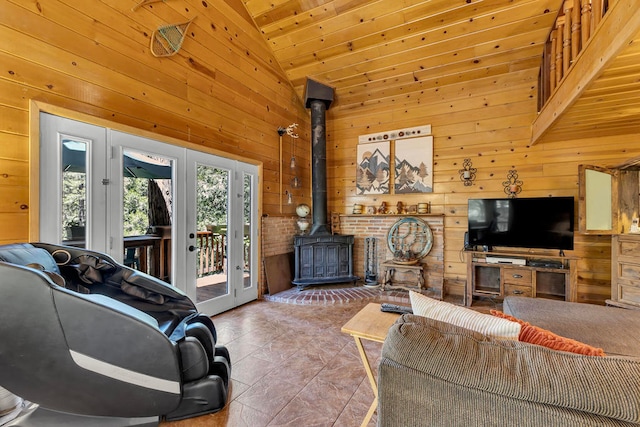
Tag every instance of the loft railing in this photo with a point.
(576, 22)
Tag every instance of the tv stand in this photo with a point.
(540, 276)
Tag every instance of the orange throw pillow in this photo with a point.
(535, 335)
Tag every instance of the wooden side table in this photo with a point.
(370, 324)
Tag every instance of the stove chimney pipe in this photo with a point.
(318, 97)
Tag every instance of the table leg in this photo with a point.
(372, 409)
(372, 381)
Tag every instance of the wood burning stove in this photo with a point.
(321, 257)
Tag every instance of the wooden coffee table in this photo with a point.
(370, 324)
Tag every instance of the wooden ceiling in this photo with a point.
(372, 50)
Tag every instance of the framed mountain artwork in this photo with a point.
(414, 165)
(373, 170)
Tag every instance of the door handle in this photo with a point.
(237, 267)
(517, 276)
(517, 292)
(192, 248)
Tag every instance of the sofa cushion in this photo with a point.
(509, 373)
(615, 330)
(535, 335)
(484, 323)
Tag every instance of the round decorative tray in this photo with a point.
(409, 240)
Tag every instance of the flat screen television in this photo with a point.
(538, 222)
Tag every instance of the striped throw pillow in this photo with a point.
(486, 324)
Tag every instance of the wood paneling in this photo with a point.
(469, 68)
(491, 126)
(223, 91)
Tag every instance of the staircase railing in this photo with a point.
(576, 22)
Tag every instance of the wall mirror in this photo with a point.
(598, 200)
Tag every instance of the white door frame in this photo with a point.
(42, 190)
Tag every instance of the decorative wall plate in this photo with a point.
(409, 240)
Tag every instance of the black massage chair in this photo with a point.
(91, 342)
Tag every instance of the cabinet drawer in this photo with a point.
(518, 276)
(517, 290)
(629, 294)
(628, 271)
(628, 247)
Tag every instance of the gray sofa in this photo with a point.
(437, 374)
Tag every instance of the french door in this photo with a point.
(184, 216)
(221, 255)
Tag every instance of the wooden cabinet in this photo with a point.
(541, 277)
(625, 270)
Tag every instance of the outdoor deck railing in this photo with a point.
(211, 249)
(574, 26)
(211, 253)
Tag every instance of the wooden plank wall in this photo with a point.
(489, 121)
(222, 91)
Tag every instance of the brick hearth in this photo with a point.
(277, 238)
(338, 294)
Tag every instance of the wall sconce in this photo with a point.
(512, 186)
(467, 173)
(289, 197)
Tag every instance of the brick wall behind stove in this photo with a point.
(363, 226)
(277, 238)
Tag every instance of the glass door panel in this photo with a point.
(249, 205)
(212, 207)
(246, 234)
(147, 212)
(74, 191)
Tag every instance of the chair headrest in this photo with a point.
(25, 254)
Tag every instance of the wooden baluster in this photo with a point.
(585, 28)
(205, 254)
(566, 37)
(596, 14)
(559, 36)
(552, 62)
(544, 85)
(575, 30)
(200, 253)
(211, 257)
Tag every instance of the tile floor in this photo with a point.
(291, 367)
